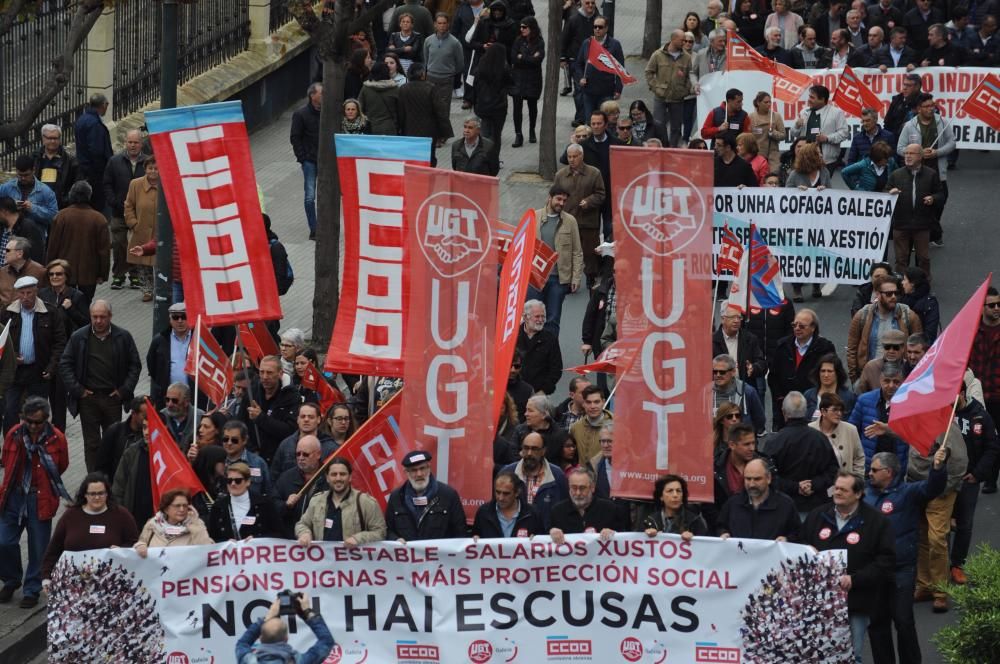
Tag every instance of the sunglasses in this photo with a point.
(892, 346)
(235, 480)
(889, 293)
(733, 416)
(720, 372)
(231, 439)
(993, 305)
(178, 316)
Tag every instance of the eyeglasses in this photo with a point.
(600, 27)
(235, 480)
(178, 316)
(622, 127)
(524, 27)
(96, 494)
(57, 274)
(302, 455)
(231, 439)
(171, 400)
(720, 372)
(733, 416)
(892, 346)
(799, 326)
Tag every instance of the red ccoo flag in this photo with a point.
(168, 468)
(921, 408)
(313, 380)
(215, 371)
(984, 102)
(599, 57)
(617, 355)
(730, 253)
(853, 95)
(788, 84)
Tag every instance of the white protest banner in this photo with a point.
(950, 86)
(829, 236)
(631, 599)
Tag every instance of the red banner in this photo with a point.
(368, 335)
(513, 286)
(215, 371)
(663, 241)
(375, 451)
(599, 58)
(313, 380)
(542, 261)
(449, 360)
(168, 467)
(257, 341)
(208, 182)
(853, 95)
(984, 102)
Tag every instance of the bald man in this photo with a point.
(290, 505)
(758, 512)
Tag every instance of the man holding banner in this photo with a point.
(423, 508)
(821, 122)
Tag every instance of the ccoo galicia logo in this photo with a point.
(662, 211)
(454, 233)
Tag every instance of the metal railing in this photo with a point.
(279, 15)
(25, 53)
(209, 34)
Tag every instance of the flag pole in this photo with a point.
(944, 120)
(954, 407)
(197, 366)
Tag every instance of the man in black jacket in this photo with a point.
(583, 511)
(474, 153)
(269, 410)
(506, 515)
(576, 28)
(919, 191)
(903, 106)
(305, 143)
(918, 20)
(794, 359)
(731, 170)
(423, 508)
(759, 512)
(539, 350)
(866, 534)
(167, 355)
(100, 368)
(421, 112)
(802, 456)
(120, 436)
(54, 165)
(122, 168)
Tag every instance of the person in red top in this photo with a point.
(34, 458)
(985, 364)
(728, 116)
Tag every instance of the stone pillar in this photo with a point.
(100, 49)
(260, 20)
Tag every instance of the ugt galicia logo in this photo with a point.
(454, 233)
(662, 211)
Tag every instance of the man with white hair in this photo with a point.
(709, 59)
(714, 18)
(542, 360)
(474, 153)
(586, 193)
(855, 28)
(772, 48)
(54, 165)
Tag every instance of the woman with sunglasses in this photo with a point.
(239, 515)
(176, 523)
(726, 416)
(526, 57)
(75, 306)
(95, 521)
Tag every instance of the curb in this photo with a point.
(28, 641)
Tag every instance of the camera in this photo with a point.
(288, 603)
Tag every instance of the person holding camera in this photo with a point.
(272, 632)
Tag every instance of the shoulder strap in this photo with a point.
(361, 513)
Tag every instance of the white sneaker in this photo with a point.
(458, 93)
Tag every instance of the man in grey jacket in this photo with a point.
(823, 123)
(444, 60)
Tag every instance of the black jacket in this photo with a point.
(118, 174)
(980, 435)
(527, 69)
(115, 440)
(688, 519)
(49, 332)
(73, 365)
(916, 27)
(482, 161)
(264, 523)
(276, 422)
(442, 518)
(799, 452)
(884, 58)
(487, 524)
(490, 30)
(600, 514)
(289, 482)
(491, 93)
(770, 326)
(871, 550)
(158, 366)
(784, 376)
(596, 315)
(553, 437)
(901, 109)
(68, 172)
(711, 511)
(76, 316)
(305, 133)
(735, 173)
(747, 350)
(420, 113)
(576, 28)
(28, 229)
(919, 217)
(775, 517)
(541, 363)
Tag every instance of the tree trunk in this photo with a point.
(550, 94)
(651, 34)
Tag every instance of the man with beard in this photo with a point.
(269, 409)
(342, 514)
(543, 484)
(178, 416)
(586, 431)
(307, 421)
(757, 512)
(557, 229)
(584, 512)
(289, 503)
(507, 515)
(892, 356)
(423, 508)
(539, 350)
(985, 362)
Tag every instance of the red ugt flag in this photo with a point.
(984, 102)
(167, 466)
(853, 95)
(215, 371)
(921, 407)
(599, 57)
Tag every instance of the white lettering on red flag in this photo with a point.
(984, 102)
(514, 278)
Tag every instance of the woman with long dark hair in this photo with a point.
(492, 83)
(526, 57)
(673, 514)
(358, 68)
(829, 377)
(692, 24)
(644, 126)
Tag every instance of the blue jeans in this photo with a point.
(591, 103)
(552, 296)
(309, 180)
(859, 625)
(10, 543)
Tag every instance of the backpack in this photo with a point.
(283, 273)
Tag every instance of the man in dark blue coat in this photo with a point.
(758, 512)
(93, 147)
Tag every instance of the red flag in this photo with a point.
(663, 230)
(542, 262)
(612, 358)
(168, 468)
(449, 358)
(257, 341)
(853, 95)
(741, 56)
(513, 285)
(789, 84)
(215, 371)
(3, 337)
(313, 380)
(984, 102)
(376, 450)
(599, 58)
(730, 252)
(921, 408)
(207, 175)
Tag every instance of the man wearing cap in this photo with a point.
(423, 508)
(893, 345)
(18, 264)
(37, 338)
(168, 354)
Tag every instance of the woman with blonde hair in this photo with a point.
(808, 169)
(768, 129)
(726, 416)
(746, 148)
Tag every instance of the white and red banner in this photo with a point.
(921, 409)
(514, 277)
(210, 363)
(449, 356)
(611, 360)
(168, 467)
(599, 58)
(984, 102)
(662, 211)
(951, 87)
(368, 335)
(375, 451)
(633, 599)
(208, 182)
